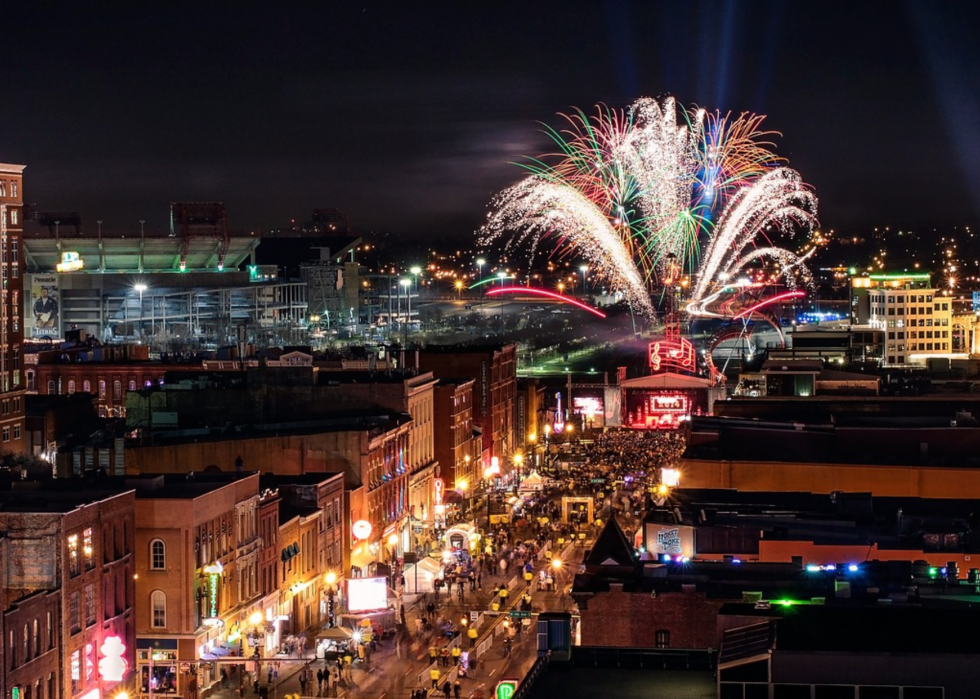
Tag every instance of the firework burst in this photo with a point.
(628, 188)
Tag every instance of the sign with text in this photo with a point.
(670, 539)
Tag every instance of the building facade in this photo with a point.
(916, 318)
(43, 308)
(69, 587)
(494, 369)
(198, 582)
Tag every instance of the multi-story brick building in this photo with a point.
(68, 587)
(458, 451)
(197, 560)
(11, 321)
(494, 369)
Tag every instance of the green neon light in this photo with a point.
(506, 689)
(919, 276)
(489, 280)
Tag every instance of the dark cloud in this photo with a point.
(407, 115)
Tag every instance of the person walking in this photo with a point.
(319, 681)
(434, 676)
(456, 652)
(447, 689)
(302, 681)
(457, 689)
(472, 635)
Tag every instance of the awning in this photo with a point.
(337, 633)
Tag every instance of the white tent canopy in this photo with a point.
(533, 482)
(419, 577)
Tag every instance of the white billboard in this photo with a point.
(367, 594)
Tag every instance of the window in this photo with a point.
(37, 637)
(88, 548)
(73, 567)
(74, 613)
(16, 431)
(13, 217)
(30, 381)
(158, 605)
(13, 188)
(76, 671)
(52, 388)
(71, 386)
(158, 555)
(101, 388)
(27, 643)
(132, 385)
(87, 386)
(662, 638)
(117, 390)
(89, 605)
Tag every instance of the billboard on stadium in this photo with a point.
(44, 310)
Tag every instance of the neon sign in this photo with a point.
(671, 354)
(437, 486)
(113, 665)
(559, 424)
(657, 410)
(505, 689)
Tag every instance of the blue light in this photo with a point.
(736, 560)
(813, 568)
(943, 571)
(853, 568)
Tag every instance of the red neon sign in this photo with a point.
(113, 665)
(671, 354)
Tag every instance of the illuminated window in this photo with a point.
(13, 217)
(13, 188)
(158, 555)
(71, 386)
(117, 390)
(158, 605)
(76, 671)
(87, 386)
(88, 548)
(101, 388)
(73, 561)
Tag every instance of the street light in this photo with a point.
(479, 266)
(407, 283)
(459, 289)
(141, 288)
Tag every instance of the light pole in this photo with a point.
(416, 271)
(501, 276)
(407, 283)
(583, 269)
(479, 267)
(141, 288)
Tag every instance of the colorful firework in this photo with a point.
(627, 189)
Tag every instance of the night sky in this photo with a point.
(406, 115)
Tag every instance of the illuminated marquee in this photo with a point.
(70, 262)
(437, 487)
(657, 410)
(671, 354)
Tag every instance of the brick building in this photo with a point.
(458, 447)
(11, 322)
(68, 586)
(197, 560)
(494, 368)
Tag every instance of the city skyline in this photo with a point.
(408, 120)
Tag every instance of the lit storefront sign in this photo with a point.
(361, 529)
(437, 489)
(113, 665)
(213, 572)
(559, 425)
(505, 689)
